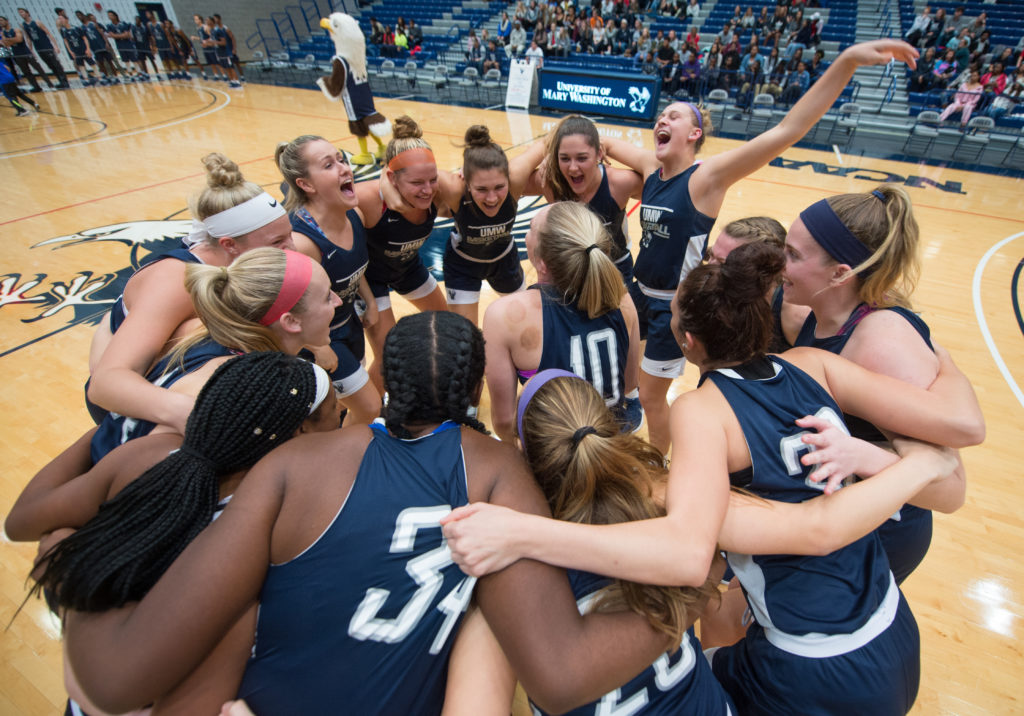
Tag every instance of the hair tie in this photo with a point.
(577, 437)
(532, 386)
(591, 248)
(831, 233)
(196, 455)
(298, 270)
(878, 195)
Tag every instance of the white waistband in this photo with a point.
(656, 293)
(503, 254)
(821, 646)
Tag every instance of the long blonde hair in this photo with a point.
(565, 244)
(292, 162)
(886, 226)
(231, 300)
(604, 476)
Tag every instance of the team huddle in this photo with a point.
(216, 536)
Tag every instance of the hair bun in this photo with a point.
(405, 127)
(478, 136)
(221, 172)
(750, 270)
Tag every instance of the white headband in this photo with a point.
(236, 221)
(323, 386)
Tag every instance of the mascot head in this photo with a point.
(348, 42)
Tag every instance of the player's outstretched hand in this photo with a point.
(878, 52)
(481, 537)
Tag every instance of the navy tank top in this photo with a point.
(345, 268)
(19, 50)
(117, 311)
(612, 216)
(394, 244)
(810, 606)
(40, 40)
(593, 348)
(481, 238)
(364, 619)
(675, 235)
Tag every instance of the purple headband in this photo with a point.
(696, 111)
(532, 386)
(829, 231)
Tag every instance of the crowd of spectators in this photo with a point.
(752, 53)
(959, 60)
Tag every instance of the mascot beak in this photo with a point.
(326, 24)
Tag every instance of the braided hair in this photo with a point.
(250, 405)
(433, 363)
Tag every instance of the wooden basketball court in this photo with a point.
(100, 179)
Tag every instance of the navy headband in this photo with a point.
(532, 386)
(829, 231)
(696, 111)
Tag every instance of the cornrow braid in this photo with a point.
(433, 363)
(250, 405)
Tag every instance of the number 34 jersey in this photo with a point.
(364, 619)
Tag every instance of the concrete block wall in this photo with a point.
(239, 15)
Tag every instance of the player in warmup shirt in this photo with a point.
(231, 216)
(681, 200)
(121, 32)
(21, 53)
(250, 405)
(394, 235)
(576, 317)
(143, 41)
(853, 261)
(327, 227)
(205, 39)
(44, 45)
(833, 633)
(78, 49)
(340, 619)
(225, 50)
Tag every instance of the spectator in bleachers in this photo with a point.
(751, 78)
(647, 64)
(400, 26)
(958, 20)
(919, 27)
(692, 11)
(517, 40)
(754, 55)
(401, 41)
(727, 75)
(945, 70)
(674, 41)
(607, 8)
(725, 35)
(1006, 57)
(492, 60)
(764, 21)
(415, 34)
(961, 46)
(671, 74)
(693, 39)
(520, 12)
(535, 55)
(737, 15)
(773, 65)
(387, 42)
(931, 35)
(665, 53)
(691, 79)
(965, 100)
(800, 39)
(470, 39)
(504, 28)
(979, 23)
(645, 44)
(623, 38)
(797, 82)
(475, 56)
(732, 48)
(749, 19)
(532, 13)
(922, 79)
(1010, 98)
(981, 45)
(994, 81)
(795, 60)
(376, 32)
(817, 65)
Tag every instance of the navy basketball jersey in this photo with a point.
(118, 28)
(675, 235)
(118, 312)
(356, 96)
(481, 238)
(75, 40)
(593, 348)
(40, 40)
(94, 36)
(159, 35)
(140, 36)
(117, 429)
(364, 619)
(612, 216)
(907, 536)
(344, 268)
(680, 682)
(809, 606)
(779, 343)
(219, 33)
(20, 49)
(394, 244)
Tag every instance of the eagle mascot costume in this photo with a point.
(349, 83)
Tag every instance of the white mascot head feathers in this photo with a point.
(348, 42)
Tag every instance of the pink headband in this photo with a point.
(298, 270)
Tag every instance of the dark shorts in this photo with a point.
(348, 344)
(211, 57)
(83, 60)
(906, 540)
(103, 56)
(625, 267)
(128, 55)
(460, 274)
(143, 55)
(880, 677)
(655, 317)
(405, 280)
(168, 55)
(224, 62)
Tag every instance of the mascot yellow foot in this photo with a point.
(364, 156)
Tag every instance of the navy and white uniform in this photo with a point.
(209, 52)
(908, 534)
(117, 429)
(345, 268)
(118, 310)
(613, 217)
(482, 247)
(356, 95)
(74, 37)
(125, 47)
(141, 37)
(163, 42)
(97, 43)
(832, 634)
(224, 51)
(40, 40)
(677, 683)
(344, 626)
(595, 349)
(675, 236)
(21, 48)
(395, 263)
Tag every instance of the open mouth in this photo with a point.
(348, 188)
(662, 137)
(577, 181)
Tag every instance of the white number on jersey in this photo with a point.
(793, 446)
(578, 364)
